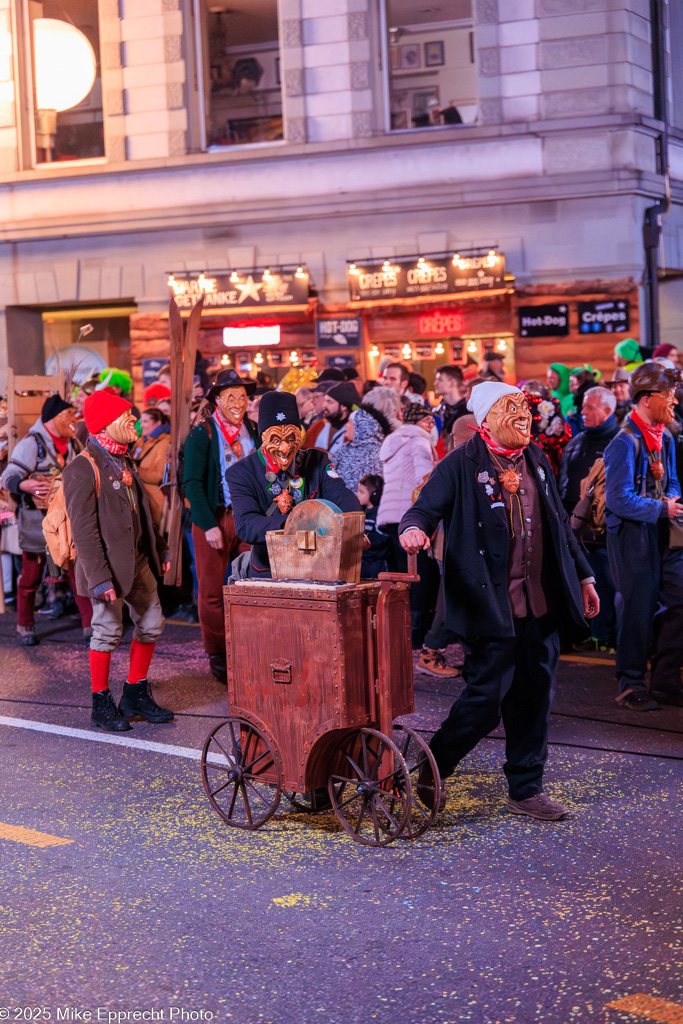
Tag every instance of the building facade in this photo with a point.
(340, 180)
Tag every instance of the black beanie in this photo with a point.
(278, 409)
(52, 407)
(345, 393)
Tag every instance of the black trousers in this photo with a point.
(512, 678)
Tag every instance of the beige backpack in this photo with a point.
(57, 525)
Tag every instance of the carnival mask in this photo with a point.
(122, 430)
(662, 406)
(64, 423)
(232, 402)
(281, 444)
(509, 421)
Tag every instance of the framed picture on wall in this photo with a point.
(410, 58)
(434, 56)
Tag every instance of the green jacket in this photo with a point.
(202, 473)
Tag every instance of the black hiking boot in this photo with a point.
(137, 699)
(105, 713)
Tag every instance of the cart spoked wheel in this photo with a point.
(370, 788)
(419, 758)
(241, 774)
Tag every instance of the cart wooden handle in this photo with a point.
(411, 576)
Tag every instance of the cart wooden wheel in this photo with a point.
(416, 754)
(370, 788)
(241, 774)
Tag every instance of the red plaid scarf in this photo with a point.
(110, 444)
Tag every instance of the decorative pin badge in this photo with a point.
(116, 485)
(483, 478)
(541, 473)
(270, 476)
(280, 416)
(127, 477)
(275, 490)
(331, 471)
(489, 490)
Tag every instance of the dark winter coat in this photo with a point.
(579, 456)
(477, 542)
(251, 499)
(103, 527)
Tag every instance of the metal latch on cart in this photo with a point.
(281, 671)
(306, 540)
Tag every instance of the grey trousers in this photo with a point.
(143, 605)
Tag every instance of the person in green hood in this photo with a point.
(558, 382)
(627, 354)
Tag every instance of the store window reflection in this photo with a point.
(67, 84)
(241, 71)
(432, 72)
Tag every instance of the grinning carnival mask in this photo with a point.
(122, 429)
(509, 421)
(657, 383)
(64, 423)
(281, 444)
(232, 402)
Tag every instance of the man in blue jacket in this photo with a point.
(267, 485)
(512, 572)
(641, 493)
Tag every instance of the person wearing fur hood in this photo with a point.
(366, 429)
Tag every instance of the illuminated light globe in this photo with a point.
(65, 64)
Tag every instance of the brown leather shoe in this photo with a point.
(538, 806)
(426, 789)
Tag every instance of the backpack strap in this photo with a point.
(628, 431)
(95, 469)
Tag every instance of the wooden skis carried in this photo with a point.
(183, 352)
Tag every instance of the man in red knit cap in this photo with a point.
(115, 542)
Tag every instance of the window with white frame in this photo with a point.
(432, 77)
(62, 46)
(240, 51)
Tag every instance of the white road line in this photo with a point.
(98, 737)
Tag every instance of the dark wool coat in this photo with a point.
(103, 527)
(251, 499)
(477, 542)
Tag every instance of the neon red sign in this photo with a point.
(441, 323)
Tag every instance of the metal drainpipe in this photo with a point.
(652, 224)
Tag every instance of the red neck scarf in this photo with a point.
(507, 453)
(60, 443)
(228, 430)
(110, 445)
(653, 433)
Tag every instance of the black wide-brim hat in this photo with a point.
(278, 409)
(230, 379)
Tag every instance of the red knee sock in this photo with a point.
(140, 658)
(99, 670)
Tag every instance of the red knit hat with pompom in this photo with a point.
(102, 408)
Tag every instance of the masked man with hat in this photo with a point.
(642, 495)
(267, 485)
(117, 546)
(37, 462)
(512, 572)
(211, 448)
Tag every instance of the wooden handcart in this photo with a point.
(317, 673)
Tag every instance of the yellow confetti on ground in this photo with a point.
(642, 1005)
(30, 836)
(295, 899)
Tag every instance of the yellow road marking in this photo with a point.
(30, 836)
(642, 1005)
(587, 661)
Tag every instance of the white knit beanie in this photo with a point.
(485, 395)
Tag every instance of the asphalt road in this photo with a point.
(143, 900)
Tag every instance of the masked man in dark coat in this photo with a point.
(267, 485)
(512, 572)
(116, 543)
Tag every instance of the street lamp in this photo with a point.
(65, 67)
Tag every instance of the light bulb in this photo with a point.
(258, 358)
(234, 277)
(225, 359)
(294, 357)
(374, 351)
(472, 347)
(65, 64)
(300, 272)
(439, 349)
(406, 351)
